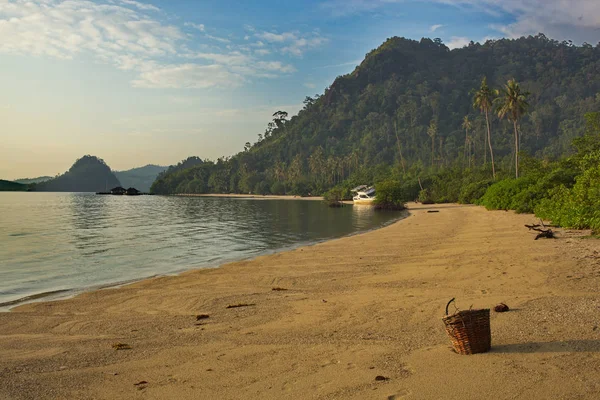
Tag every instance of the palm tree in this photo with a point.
(513, 105)
(466, 125)
(483, 100)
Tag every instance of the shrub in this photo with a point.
(261, 188)
(425, 196)
(526, 200)
(473, 192)
(391, 195)
(500, 196)
(334, 197)
(278, 188)
(577, 207)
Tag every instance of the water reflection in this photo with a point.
(52, 241)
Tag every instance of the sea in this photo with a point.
(54, 245)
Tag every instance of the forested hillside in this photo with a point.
(404, 108)
(87, 174)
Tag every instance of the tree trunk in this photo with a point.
(399, 147)
(489, 140)
(467, 149)
(516, 149)
(432, 150)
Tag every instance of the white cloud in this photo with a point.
(132, 36)
(190, 76)
(578, 20)
(275, 66)
(458, 42)
(434, 28)
(141, 6)
(200, 27)
(218, 39)
(310, 85)
(64, 29)
(293, 43)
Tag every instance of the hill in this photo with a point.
(404, 105)
(28, 181)
(87, 174)
(9, 186)
(140, 178)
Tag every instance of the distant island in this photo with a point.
(140, 178)
(87, 174)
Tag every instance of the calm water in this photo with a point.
(75, 241)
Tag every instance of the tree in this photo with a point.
(483, 100)
(432, 132)
(467, 126)
(513, 105)
(280, 118)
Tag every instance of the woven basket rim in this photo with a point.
(465, 312)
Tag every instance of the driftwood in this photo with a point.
(543, 233)
(240, 305)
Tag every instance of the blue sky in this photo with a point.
(155, 81)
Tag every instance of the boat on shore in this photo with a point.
(363, 195)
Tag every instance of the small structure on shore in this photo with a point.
(120, 191)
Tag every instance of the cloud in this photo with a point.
(355, 63)
(218, 39)
(189, 76)
(578, 20)
(458, 42)
(133, 36)
(434, 28)
(200, 27)
(293, 43)
(310, 85)
(141, 6)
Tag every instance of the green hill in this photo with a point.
(87, 174)
(9, 186)
(140, 178)
(405, 103)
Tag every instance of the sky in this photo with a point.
(155, 81)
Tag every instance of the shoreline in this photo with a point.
(254, 196)
(351, 309)
(63, 294)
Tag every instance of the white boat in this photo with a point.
(363, 195)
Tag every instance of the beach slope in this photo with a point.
(353, 309)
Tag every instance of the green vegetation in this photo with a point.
(87, 174)
(9, 186)
(422, 122)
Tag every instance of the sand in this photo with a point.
(354, 308)
(256, 196)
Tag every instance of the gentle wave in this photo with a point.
(65, 242)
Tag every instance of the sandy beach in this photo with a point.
(353, 309)
(256, 196)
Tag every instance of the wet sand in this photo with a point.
(353, 309)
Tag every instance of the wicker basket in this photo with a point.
(469, 330)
